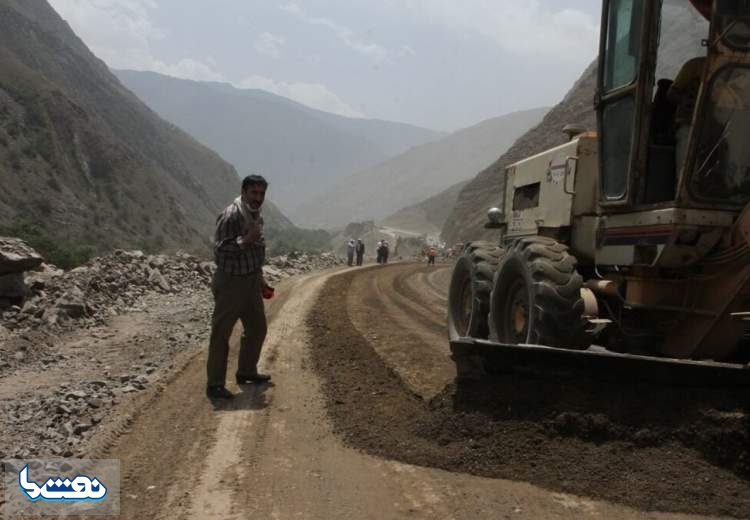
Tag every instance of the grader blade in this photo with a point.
(600, 362)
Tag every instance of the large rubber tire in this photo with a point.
(470, 289)
(536, 298)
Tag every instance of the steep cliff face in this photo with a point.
(682, 31)
(81, 156)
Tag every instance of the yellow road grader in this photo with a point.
(630, 244)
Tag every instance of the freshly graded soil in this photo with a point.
(648, 446)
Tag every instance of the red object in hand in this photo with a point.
(268, 292)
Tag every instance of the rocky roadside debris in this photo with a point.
(110, 285)
(75, 344)
(65, 419)
(37, 305)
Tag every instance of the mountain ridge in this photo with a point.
(301, 150)
(417, 174)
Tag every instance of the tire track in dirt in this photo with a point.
(413, 343)
(433, 284)
(413, 297)
(439, 280)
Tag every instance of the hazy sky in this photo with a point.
(443, 64)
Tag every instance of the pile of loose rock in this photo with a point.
(46, 297)
(280, 267)
(61, 420)
(106, 286)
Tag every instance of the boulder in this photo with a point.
(72, 303)
(38, 280)
(272, 272)
(157, 261)
(157, 280)
(207, 268)
(16, 256)
(72, 309)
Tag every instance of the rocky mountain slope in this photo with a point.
(682, 31)
(84, 159)
(300, 150)
(428, 216)
(421, 172)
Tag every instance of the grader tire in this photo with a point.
(469, 304)
(470, 288)
(537, 296)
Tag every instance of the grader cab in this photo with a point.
(629, 244)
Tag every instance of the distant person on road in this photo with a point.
(379, 251)
(431, 254)
(238, 284)
(360, 250)
(385, 251)
(350, 252)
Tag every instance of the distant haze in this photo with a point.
(438, 64)
(417, 174)
(303, 152)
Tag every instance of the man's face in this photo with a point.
(254, 195)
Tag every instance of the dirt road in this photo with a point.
(362, 421)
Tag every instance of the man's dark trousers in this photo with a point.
(236, 298)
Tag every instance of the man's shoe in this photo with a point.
(218, 392)
(255, 378)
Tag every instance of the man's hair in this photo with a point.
(254, 180)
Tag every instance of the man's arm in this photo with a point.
(228, 231)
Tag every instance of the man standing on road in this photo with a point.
(239, 251)
(360, 251)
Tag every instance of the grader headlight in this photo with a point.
(495, 216)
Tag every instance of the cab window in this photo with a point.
(623, 43)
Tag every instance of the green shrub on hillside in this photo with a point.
(60, 252)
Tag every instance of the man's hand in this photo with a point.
(266, 290)
(255, 234)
